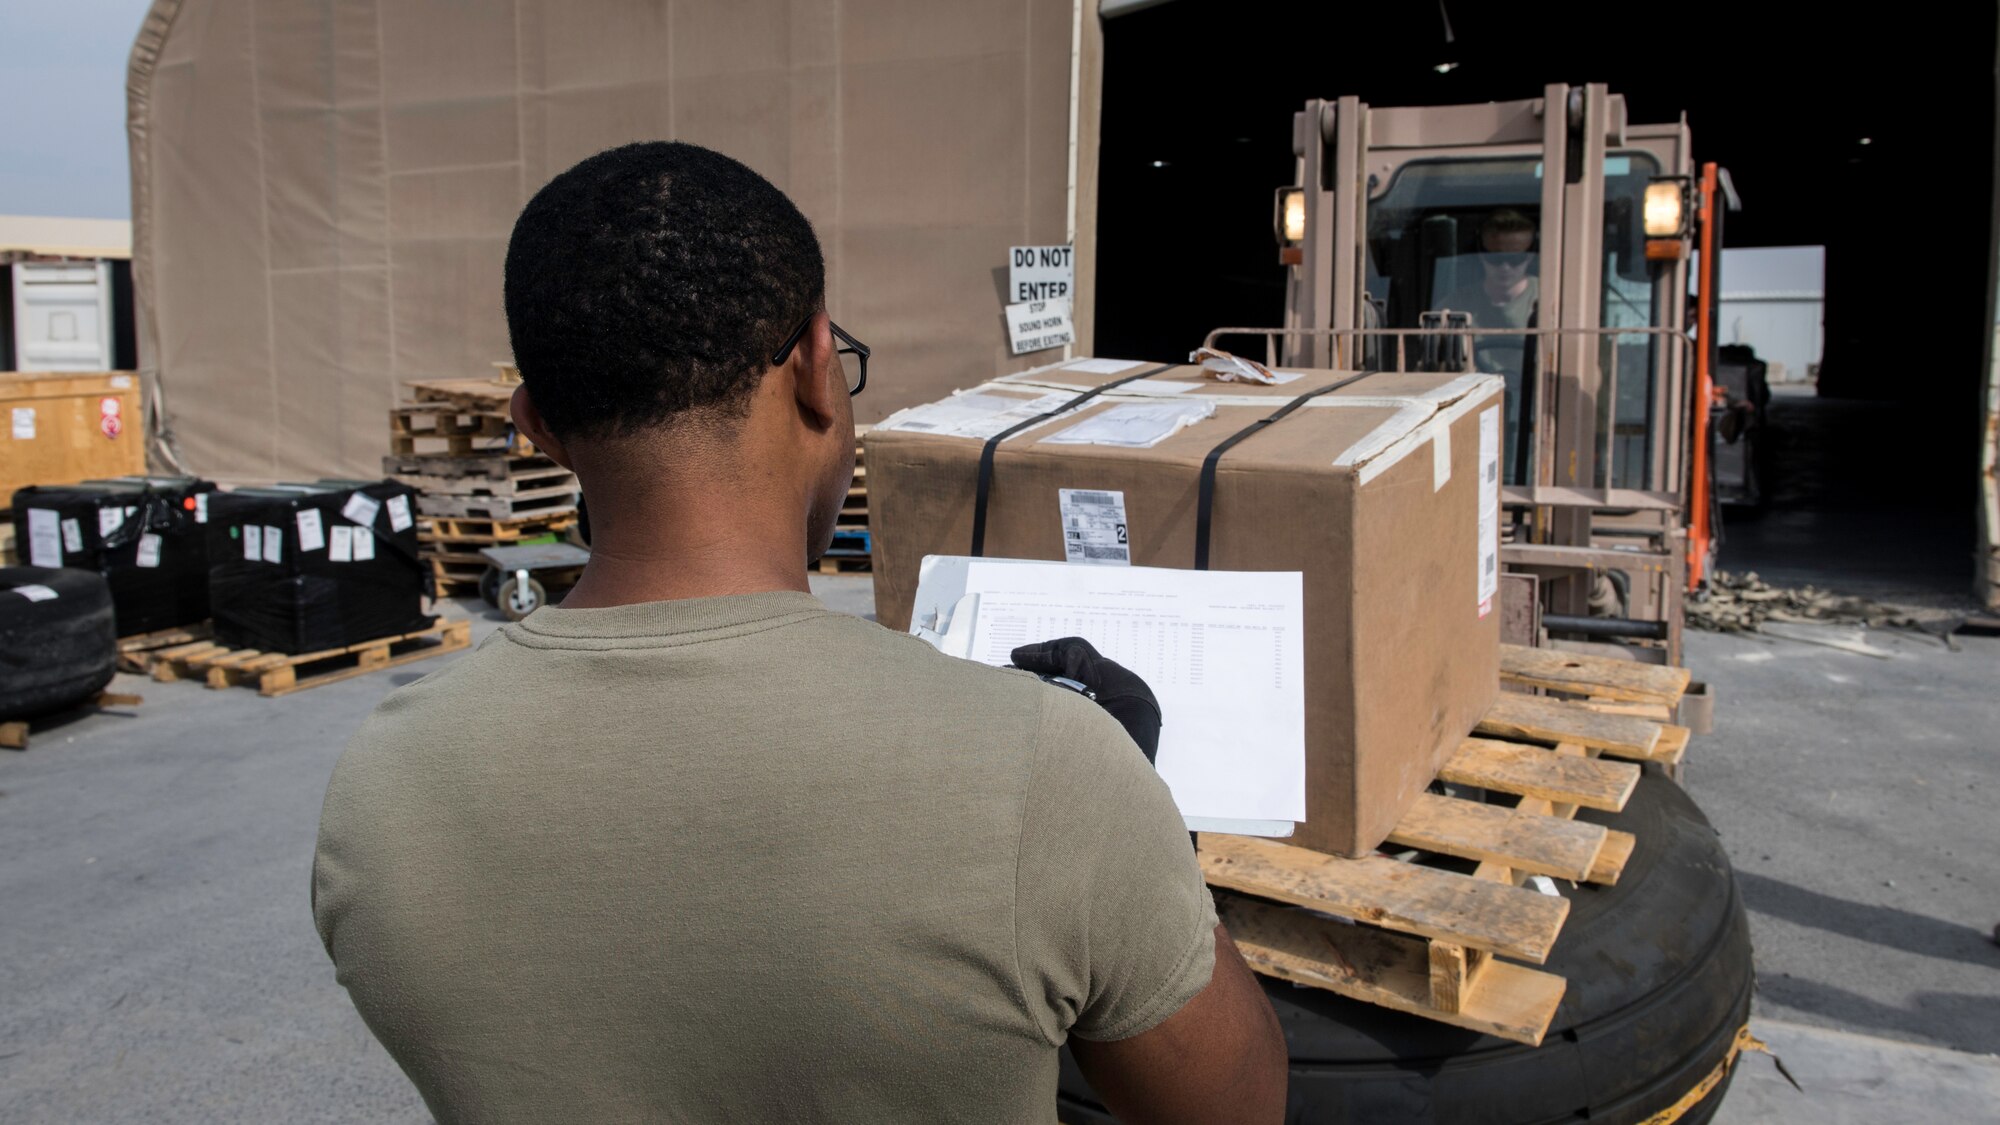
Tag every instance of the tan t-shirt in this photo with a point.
(746, 859)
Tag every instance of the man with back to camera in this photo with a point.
(690, 847)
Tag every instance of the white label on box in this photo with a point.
(312, 533)
(201, 507)
(109, 520)
(1040, 273)
(253, 543)
(1489, 508)
(149, 551)
(120, 382)
(1035, 325)
(44, 537)
(72, 536)
(1105, 366)
(340, 543)
(361, 508)
(36, 593)
(24, 423)
(1094, 528)
(274, 544)
(399, 513)
(364, 545)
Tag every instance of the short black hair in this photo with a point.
(651, 280)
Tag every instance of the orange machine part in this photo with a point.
(1701, 534)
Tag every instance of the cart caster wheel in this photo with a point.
(489, 587)
(517, 601)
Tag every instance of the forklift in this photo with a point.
(1548, 241)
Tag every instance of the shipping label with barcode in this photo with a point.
(1489, 508)
(1094, 529)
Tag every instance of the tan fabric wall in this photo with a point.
(323, 189)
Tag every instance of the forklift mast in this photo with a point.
(1547, 241)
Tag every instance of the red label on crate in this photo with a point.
(108, 420)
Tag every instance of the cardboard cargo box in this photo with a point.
(1383, 491)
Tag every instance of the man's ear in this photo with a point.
(815, 376)
(529, 421)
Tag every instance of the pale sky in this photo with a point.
(62, 79)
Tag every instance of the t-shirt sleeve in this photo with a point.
(1114, 929)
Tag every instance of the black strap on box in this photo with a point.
(993, 443)
(1205, 505)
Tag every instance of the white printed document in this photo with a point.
(1223, 651)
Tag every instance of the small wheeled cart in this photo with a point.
(519, 580)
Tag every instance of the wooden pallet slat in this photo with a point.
(1540, 719)
(1510, 1001)
(1541, 845)
(1531, 771)
(1398, 896)
(1624, 680)
(274, 673)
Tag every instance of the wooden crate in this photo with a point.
(274, 673)
(66, 413)
(1425, 938)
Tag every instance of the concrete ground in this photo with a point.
(160, 963)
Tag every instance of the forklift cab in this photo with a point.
(1546, 241)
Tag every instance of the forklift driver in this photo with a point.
(1506, 296)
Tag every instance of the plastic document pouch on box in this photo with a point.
(1135, 425)
(972, 415)
(1224, 652)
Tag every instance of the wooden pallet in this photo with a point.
(493, 475)
(16, 734)
(455, 575)
(1423, 935)
(431, 429)
(7, 555)
(273, 673)
(491, 395)
(485, 532)
(135, 653)
(535, 503)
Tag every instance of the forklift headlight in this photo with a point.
(1291, 216)
(1666, 212)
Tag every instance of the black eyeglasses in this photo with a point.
(853, 354)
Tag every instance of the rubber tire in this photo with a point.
(1659, 975)
(537, 598)
(54, 654)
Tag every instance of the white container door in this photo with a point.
(62, 316)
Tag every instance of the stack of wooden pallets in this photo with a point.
(1425, 930)
(853, 543)
(479, 482)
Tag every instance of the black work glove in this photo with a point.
(1117, 688)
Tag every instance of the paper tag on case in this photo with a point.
(44, 537)
(36, 593)
(312, 533)
(201, 507)
(399, 513)
(364, 545)
(109, 520)
(24, 423)
(340, 543)
(361, 508)
(72, 536)
(253, 543)
(149, 551)
(274, 544)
